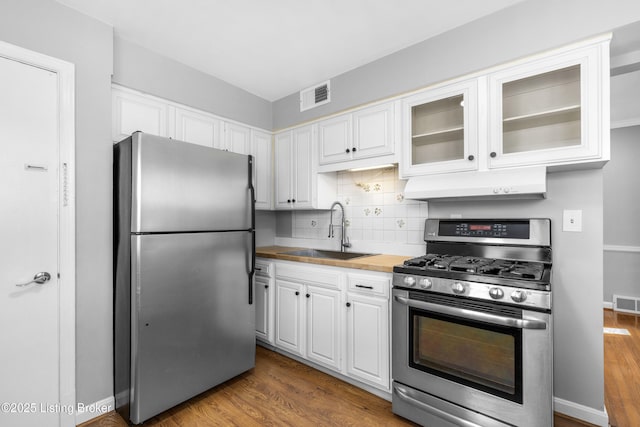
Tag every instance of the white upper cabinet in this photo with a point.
(302, 168)
(198, 128)
(297, 183)
(262, 182)
(374, 131)
(293, 169)
(335, 141)
(365, 137)
(440, 130)
(237, 138)
(283, 170)
(134, 112)
(551, 111)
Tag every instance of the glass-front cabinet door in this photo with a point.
(549, 111)
(440, 130)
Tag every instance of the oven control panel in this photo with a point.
(509, 230)
(484, 291)
(526, 232)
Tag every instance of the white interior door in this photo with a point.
(30, 356)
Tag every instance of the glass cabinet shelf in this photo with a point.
(438, 133)
(437, 130)
(542, 111)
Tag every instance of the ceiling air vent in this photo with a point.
(314, 96)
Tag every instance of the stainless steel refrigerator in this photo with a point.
(184, 256)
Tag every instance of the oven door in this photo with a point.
(483, 356)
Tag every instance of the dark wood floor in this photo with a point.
(280, 391)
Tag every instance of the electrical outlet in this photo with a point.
(572, 220)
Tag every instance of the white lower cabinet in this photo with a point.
(289, 316)
(368, 339)
(323, 326)
(308, 322)
(368, 331)
(264, 301)
(335, 317)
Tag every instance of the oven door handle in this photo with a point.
(473, 315)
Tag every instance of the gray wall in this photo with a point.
(525, 28)
(149, 72)
(622, 213)
(576, 281)
(47, 27)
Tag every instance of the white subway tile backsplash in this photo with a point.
(375, 211)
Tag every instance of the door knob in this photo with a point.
(39, 278)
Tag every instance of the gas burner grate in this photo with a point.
(469, 264)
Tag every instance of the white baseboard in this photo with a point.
(86, 412)
(607, 304)
(581, 412)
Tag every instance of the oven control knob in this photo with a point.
(518, 296)
(457, 288)
(496, 293)
(425, 283)
(409, 281)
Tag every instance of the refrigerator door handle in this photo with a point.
(253, 229)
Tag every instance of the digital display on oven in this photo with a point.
(476, 227)
(499, 229)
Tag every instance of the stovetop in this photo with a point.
(511, 269)
(525, 274)
(506, 261)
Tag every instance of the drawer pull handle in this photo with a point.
(364, 286)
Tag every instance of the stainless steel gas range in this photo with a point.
(472, 326)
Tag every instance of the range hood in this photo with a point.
(523, 183)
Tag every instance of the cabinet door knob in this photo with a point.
(493, 154)
(347, 150)
(266, 286)
(288, 200)
(471, 157)
(308, 295)
(353, 149)
(293, 200)
(297, 293)
(348, 304)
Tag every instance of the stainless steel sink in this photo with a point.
(321, 253)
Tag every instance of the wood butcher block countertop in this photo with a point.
(380, 262)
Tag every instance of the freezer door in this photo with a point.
(181, 187)
(192, 326)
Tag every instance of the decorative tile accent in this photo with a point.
(365, 187)
(377, 211)
(400, 223)
(367, 211)
(400, 197)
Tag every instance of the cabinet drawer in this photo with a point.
(374, 285)
(309, 275)
(264, 269)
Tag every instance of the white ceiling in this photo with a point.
(273, 48)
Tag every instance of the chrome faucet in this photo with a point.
(344, 240)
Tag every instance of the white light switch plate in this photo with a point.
(572, 220)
